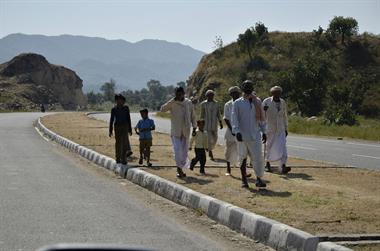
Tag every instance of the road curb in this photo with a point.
(267, 231)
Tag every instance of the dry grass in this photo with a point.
(317, 200)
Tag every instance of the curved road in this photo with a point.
(341, 152)
(48, 195)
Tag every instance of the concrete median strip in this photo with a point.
(270, 232)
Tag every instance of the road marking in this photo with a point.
(366, 156)
(302, 147)
(361, 144)
(41, 134)
(321, 140)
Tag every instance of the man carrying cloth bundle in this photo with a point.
(182, 119)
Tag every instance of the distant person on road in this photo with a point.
(201, 147)
(210, 113)
(182, 119)
(231, 151)
(144, 129)
(121, 122)
(247, 123)
(42, 108)
(276, 116)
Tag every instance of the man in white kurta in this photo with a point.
(231, 151)
(246, 125)
(182, 119)
(210, 113)
(276, 115)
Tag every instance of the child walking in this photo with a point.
(201, 146)
(144, 129)
(121, 122)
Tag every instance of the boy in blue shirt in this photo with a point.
(144, 129)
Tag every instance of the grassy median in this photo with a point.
(367, 129)
(314, 197)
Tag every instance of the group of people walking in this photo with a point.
(250, 124)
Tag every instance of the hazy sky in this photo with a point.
(195, 23)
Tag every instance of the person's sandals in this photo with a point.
(140, 161)
(285, 169)
(244, 185)
(268, 167)
(149, 164)
(260, 183)
(180, 173)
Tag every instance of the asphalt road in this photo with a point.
(341, 152)
(47, 196)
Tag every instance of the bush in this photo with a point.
(258, 63)
(341, 115)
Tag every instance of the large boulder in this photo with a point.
(32, 78)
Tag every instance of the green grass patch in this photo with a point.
(368, 129)
(166, 115)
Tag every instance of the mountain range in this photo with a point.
(97, 60)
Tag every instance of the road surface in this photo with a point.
(341, 152)
(49, 195)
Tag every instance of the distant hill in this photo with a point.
(316, 72)
(96, 60)
(29, 80)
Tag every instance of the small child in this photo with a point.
(201, 146)
(143, 129)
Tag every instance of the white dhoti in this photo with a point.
(180, 148)
(212, 139)
(276, 148)
(231, 151)
(253, 149)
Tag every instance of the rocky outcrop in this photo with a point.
(30, 79)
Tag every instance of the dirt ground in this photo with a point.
(314, 197)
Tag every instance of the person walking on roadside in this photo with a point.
(276, 116)
(201, 147)
(210, 113)
(121, 122)
(247, 123)
(144, 129)
(231, 151)
(182, 119)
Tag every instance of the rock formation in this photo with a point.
(29, 79)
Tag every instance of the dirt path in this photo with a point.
(317, 200)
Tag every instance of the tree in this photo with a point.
(108, 90)
(247, 41)
(218, 43)
(345, 27)
(305, 83)
(181, 84)
(340, 106)
(94, 98)
(261, 29)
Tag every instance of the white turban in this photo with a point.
(208, 92)
(234, 89)
(276, 88)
